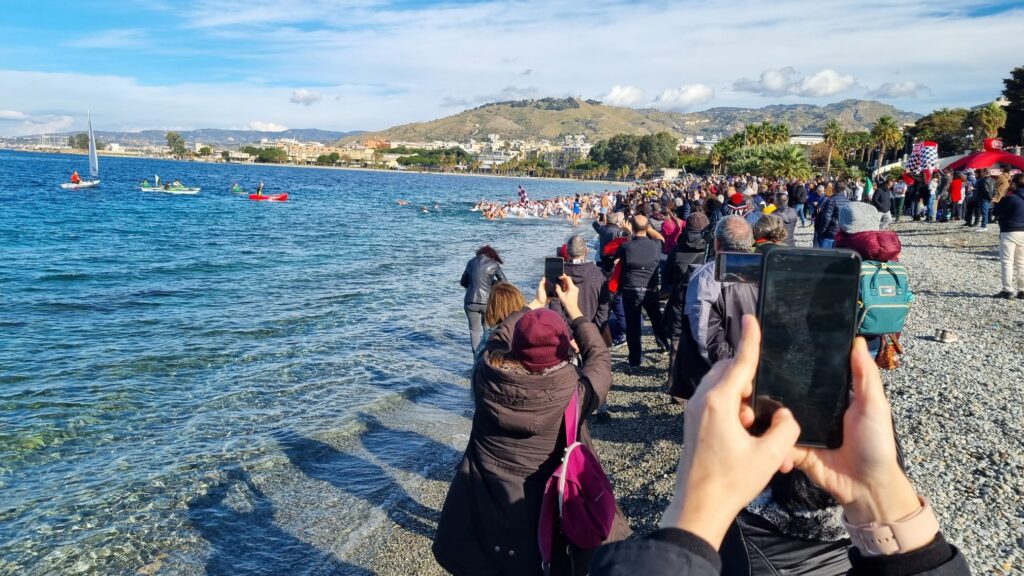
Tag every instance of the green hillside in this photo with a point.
(553, 118)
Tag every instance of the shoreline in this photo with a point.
(958, 415)
(105, 154)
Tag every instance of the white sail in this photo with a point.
(94, 161)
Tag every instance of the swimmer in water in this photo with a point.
(402, 202)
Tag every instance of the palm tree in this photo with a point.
(887, 134)
(989, 119)
(834, 139)
(784, 161)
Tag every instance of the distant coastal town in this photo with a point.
(834, 144)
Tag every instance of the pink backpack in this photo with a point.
(578, 499)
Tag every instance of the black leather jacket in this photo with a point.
(481, 272)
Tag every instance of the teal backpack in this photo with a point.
(885, 298)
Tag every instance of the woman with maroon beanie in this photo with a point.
(522, 383)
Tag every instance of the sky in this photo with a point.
(371, 64)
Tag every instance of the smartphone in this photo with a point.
(738, 267)
(808, 313)
(554, 268)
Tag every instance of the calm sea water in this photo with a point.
(209, 385)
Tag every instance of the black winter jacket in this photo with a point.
(481, 272)
(1010, 212)
(689, 252)
(594, 295)
(882, 200)
(827, 223)
(675, 552)
(985, 190)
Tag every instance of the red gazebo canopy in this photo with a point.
(987, 159)
(991, 155)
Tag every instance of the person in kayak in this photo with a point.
(145, 182)
(259, 189)
(177, 183)
(74, 178)
(236, 189)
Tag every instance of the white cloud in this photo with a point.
(266, 126)
(305, 97)
(899, 90)
(15, 123)
(825, 83)
(623, 96)
(684, 98)
(788, 82)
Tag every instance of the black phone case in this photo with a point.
(837, 438)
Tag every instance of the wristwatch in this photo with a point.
(885, 539)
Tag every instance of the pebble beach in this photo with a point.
(958, 409)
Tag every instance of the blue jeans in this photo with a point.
(983, 208)
(824, 242)
(932, 202)
(800, 212)
(617, 319)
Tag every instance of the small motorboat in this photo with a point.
(170, 189)
(282, 197)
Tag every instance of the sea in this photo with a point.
(210, 385)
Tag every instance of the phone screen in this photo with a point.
(553, 270)
(807, 309)
(738, 267)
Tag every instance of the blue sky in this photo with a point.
(369, 64)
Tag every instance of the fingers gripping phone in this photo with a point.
(808, 310)
(554, 268)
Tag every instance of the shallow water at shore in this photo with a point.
(178, 373)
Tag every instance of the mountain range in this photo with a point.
(554, 118)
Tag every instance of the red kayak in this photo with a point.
(283, 197)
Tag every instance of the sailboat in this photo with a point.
(94, 166)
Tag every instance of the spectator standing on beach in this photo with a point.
(826, 224)
(589, 280)
(521, 385)
(956, 195)
(983, 194)
(638, 286)
(482, 272)
(1010, 215)
(788, 216)
(882, 201)
(899, 194)
(971, 210)
(859, 230)
(686, 257)
(799, 199)
(732, 234)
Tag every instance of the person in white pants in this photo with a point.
(1010, 212)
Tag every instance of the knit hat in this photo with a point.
(737, 205)
(540, 340)
(697, 221)
(859, 217)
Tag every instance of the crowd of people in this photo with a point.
(743, 504)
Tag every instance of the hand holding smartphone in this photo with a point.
(554, 268)
(808, 310)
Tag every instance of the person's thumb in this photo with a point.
(778, 440)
